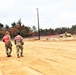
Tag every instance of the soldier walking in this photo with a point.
(8, 45)
(19, 45)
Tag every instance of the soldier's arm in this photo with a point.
(22, 41)
(3, 40)
(15, 41)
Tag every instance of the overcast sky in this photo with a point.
(52, 13)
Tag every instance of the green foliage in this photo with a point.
(1, 25)
(61, 30)
(13, 24)
(46, 31)
(6, 27)
(19, 22)
(34, 29)
(73, 29)
(28, 31)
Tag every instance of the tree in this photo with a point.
(1, 25)
(19, 22)
(73, 29)
(34, 29)
(13, 24)
(6, 27)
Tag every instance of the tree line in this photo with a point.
(29, 32)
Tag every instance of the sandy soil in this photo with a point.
(40, 58)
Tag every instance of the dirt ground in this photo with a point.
(40, 58)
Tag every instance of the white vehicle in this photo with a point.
(65, 35)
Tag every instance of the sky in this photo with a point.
(52, 13)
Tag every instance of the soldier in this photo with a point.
(19, 45)
(8, 45)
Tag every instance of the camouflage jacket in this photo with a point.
(18, 40)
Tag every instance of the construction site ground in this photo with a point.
(40, 58)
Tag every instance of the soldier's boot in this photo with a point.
(21, 55)
(18, 56)
(7, 54)
(10, 53)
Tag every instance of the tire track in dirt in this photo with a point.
(32, 71)
(22, 70)
(52, 60)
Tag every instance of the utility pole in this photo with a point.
(38, 24)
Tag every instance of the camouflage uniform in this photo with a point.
(8, 45)
(19, 45)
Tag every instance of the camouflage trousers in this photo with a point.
(8, 48)
(19, 49)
